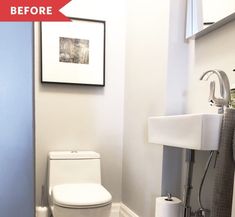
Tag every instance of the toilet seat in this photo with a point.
(84, 195)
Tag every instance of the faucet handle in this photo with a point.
(212, 93)
(219, 102)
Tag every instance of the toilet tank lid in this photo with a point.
(60, 155)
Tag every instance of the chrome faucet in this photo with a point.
(225, 99)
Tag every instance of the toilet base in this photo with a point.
(103, 211)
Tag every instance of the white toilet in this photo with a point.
(74, 181)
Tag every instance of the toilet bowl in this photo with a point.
(75, 188)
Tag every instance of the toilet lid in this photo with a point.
(80, 195)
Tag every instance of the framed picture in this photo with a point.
(73, 52)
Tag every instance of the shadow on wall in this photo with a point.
(71, 89)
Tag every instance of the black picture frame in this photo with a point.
(73, 52)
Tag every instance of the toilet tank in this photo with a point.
(66, 167)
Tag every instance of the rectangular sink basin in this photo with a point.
(191, 131)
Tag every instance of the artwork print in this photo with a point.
(74, 50)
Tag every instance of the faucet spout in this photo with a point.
(225, 98)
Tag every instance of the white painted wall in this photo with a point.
(145, 85)
(178, 64)
(156, 68)
(86, 118)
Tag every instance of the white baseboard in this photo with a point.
(126, 212)
(121, 210)
(115, 210)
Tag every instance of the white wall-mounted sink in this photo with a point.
(191, 131)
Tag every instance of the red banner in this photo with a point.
(32, 10)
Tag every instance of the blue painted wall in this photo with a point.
(16, 120)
